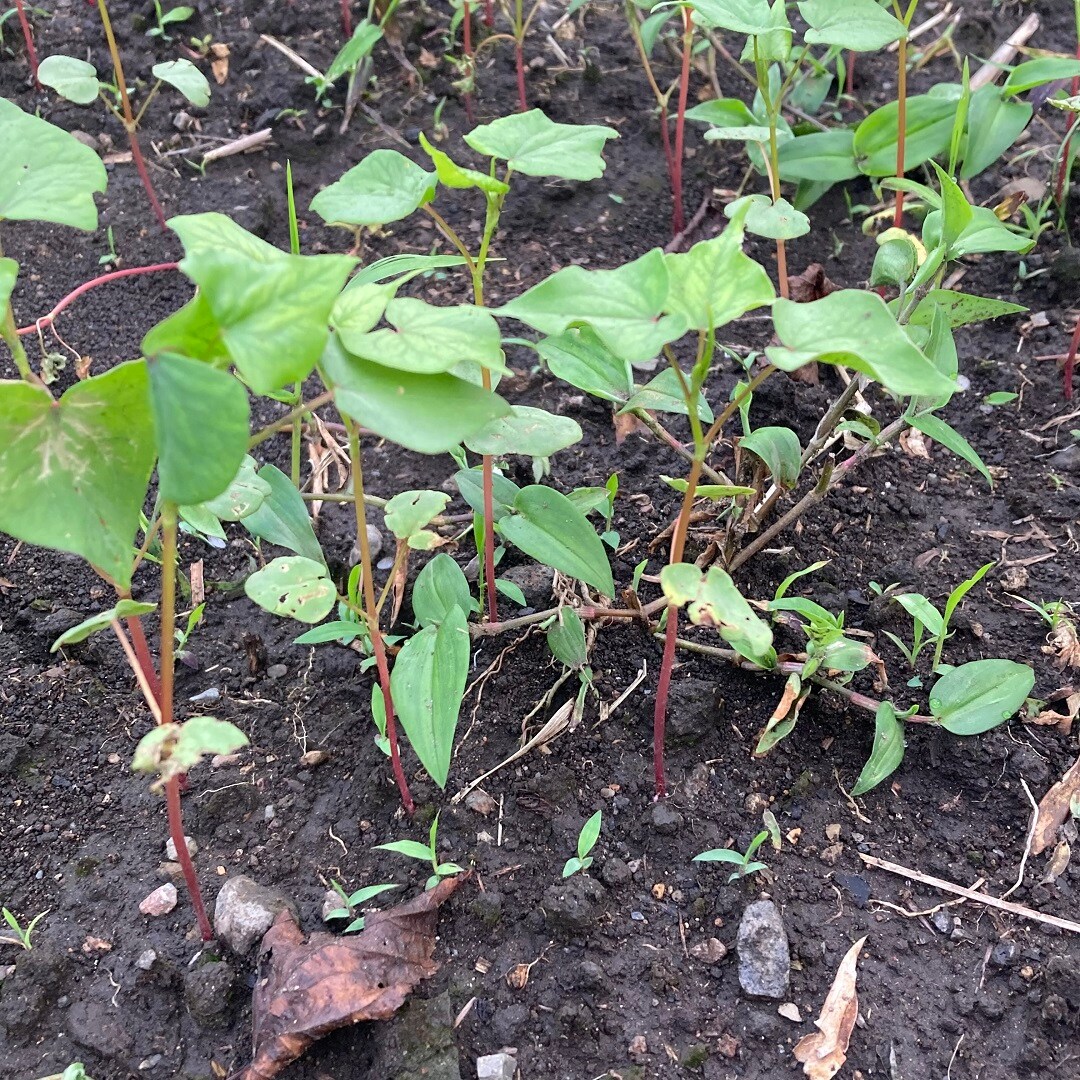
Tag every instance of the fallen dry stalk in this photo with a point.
(971, 894)
(1005, 53)
(244, 145)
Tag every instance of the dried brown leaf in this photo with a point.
(1059, 862)
(310, 987)
(626, 424)
(1054, 809)
(219, 62)
(1062, 720)
(1064, 645)
(824, 1051)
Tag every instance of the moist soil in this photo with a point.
(615, 984)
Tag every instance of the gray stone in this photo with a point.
(501, 1066)
(614, 873)
(170, 848)
(665, 819)
(146, 960)
(208, 993)
(277, 671)
(245, 910)
(574, 905)
(418, 1044)
(764, 955)
(12, 753)
(534, 580)
(160, 902)
(375, 544)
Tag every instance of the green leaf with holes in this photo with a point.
(427, 684)
(409, 512)
(978, 696)
(45, 173)
(171, 750)
(548, 527)
(530, 143)
(74, 472)
(526, 430)
(386, 186)
(295, 587)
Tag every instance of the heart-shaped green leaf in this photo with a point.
(386, 186)
(743, 16)
(547, 526)
(410, 511)
(858, 25)
(45, 173)
(201, 422)
(530, 143)
(73, 79)
(184, 76)
(526, 430)
(74, 472)
(295, 587)
(427, 683)
(978, 696)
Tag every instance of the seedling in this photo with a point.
(110, 258)
(75, 1071)
(427, 854)
(78, 82)
(590, 833)
(743, 861)
(352, 903)
(195, 616)
(166, 17)
(17, 934)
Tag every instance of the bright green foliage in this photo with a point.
(267, 311)
(716, 282)
(357, 312)
(663, 393)
(123, 609)
(581, 359)
(173, 749)
(777, 220)
(429, 854)
(71, 78)
(779, 449)
(714, 600)
(282, 518)
(976, 697)
(184, 76)
(245, 493)
(409, 512)
(45, 173)
(526, 430)
(566, 639)
(9, 273)
(364, 39)
(743, 16)
(961, 308)
(547, 526)
(428, 340)
(386, 186)
(1038, 72)
(858, 25)
(74, 473)
(887, 752)
(427, 413)
(427, 683)
(504, 492)
(856, 329)
(353, 902)
(929, 124)
(822, 156)
(295, 587)
(439, 588)
(530, 143)
(201, 422)
(452, 175)
(590, 833)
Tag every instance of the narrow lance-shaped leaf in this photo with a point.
(887, 753)
(282, 517)
(439, 588)
(123, 609)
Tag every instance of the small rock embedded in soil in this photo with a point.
(502, 1066)
(314, 758)
(160, 902)
(170, 848)
(146, 960)
(665, 819)
(614, 873)
(574, 905)
(208, 993)
(375, 544)
(245, 910)
(764, 954)
(711, 951)
(206, 697)
(276, 671)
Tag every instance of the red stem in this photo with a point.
(28, 37)
(142, 652)
(93, 283)
(901, 128)
(519, 55)
(183, 856)
(669, 155)
(346, 19)
(467, 45)
(678, 218)
(391, 722)
(489, 12)
(144, 176)
(1070, 360)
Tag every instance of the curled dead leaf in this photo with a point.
(518, 976)
(824, 1051)
(1060, 718)
(1064, 645)
(1054, 809)
(219, 62)
(310, 987)
(1058, 863)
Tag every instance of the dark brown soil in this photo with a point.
(993, 998)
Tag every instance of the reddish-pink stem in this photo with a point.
(489, 13)
(144, 176)
(678, 217)
(1070, 360)
(519, 55)
(142, 652)
(93, 283)
(183, 856)
(849, 79)
(28, 37)
(346, 19)
(660, 710)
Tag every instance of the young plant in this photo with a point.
(166, 17)
(78, 82)
(354, 902)
(427, 854)
(744, 861)
(17, 934)
(590, 833)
